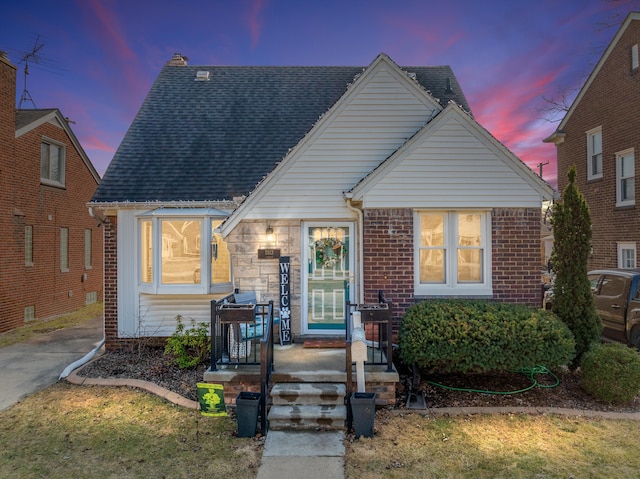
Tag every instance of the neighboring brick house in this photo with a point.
(600, 135)
(368, 179)
(51, 260)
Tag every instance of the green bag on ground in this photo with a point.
(211, 399)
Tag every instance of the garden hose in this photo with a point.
(530, 373)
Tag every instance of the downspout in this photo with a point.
(360, 248)
(87, 357)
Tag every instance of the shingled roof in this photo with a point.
(214, 140)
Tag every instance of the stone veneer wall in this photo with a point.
(261, 275)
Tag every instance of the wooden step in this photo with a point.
(318, 394)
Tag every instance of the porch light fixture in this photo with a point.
(268, 250)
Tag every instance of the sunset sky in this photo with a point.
(99, 57)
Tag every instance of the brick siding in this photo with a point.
(612, 102)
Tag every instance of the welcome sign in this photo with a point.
(285, 300)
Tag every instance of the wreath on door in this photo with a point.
(328, 251)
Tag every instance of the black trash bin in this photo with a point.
(363, 411)
(247, 406)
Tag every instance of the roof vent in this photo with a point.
(447, 88)
(202, 76)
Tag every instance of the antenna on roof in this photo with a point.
(33, 56)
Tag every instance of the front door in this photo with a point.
(328, 278)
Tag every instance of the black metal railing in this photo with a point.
(377, 323)
(237, 332)
(266, 366)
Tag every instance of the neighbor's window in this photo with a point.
(626, 255)
(52, 163)
(634, 57)
(452, 253)
(28, 245)
(183, 254)
(87, 249)
(64, 249)
(594, 153)
(625, 178)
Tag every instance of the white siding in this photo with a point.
(370, 124)
(158, 312)
(452, 168)
(127, 287)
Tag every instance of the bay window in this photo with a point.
(182, 254)
(452, 253)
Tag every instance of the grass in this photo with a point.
(495, 446)
(33, 328)
(67, 431)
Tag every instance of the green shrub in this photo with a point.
(479, 336)
(189, 346)
(611, 372)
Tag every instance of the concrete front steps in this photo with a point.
(307, 406)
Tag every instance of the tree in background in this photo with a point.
(572, 296)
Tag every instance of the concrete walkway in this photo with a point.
(34, 364)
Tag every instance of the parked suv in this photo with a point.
(617, 296)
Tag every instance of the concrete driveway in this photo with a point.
(37, 363)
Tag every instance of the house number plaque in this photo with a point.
(285, 300)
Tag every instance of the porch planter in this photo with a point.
(375, 312)
(363, 411)
(238, 313)
(247, 405)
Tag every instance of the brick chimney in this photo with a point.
(7, 105)
(178, 60)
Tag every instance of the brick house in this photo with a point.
(51, 262)
(600, 136)
(368, 179)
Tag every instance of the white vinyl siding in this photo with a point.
(625, 178)
(157, 313)
(451, 167)
(368, 127)
(594, 153)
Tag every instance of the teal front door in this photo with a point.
(328, 279)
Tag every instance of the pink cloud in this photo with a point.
(255, 21)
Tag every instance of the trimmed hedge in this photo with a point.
(611, 373)
(479, 336)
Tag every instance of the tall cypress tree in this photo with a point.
(572, 297)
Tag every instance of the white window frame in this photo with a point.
(627, 246)
(88, 251)
(45, 177)
(451, 286)
(64, 250)
(625, 176)
(156, 286)
(28, 245)
(591, 152)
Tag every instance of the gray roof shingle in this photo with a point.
(215, 140)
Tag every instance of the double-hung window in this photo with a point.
(182, 254)
(626, 255)
(594, 153)
(452, 253)
(64, 249)
(52, 163)
(625, 178)
(28, 245)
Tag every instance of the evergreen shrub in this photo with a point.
(611, 373)
(480, 336)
